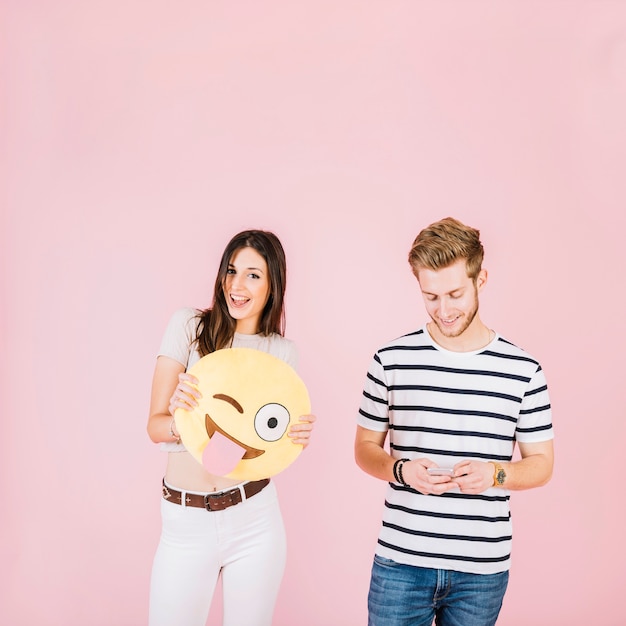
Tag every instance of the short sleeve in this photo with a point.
(535, 416)
(180, 336)
(374, 410)
(290, 353)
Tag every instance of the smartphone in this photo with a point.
(440, 471)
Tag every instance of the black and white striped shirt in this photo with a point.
(450, 406)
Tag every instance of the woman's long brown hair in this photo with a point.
(217, 328)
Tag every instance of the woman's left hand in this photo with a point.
(300, 432)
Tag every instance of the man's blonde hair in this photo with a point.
(443, 243)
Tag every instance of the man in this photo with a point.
(454, 398)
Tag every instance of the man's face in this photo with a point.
(451, 297)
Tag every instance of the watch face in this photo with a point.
(500, 476)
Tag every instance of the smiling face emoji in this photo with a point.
(249, 400)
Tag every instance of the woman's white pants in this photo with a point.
(244, 544)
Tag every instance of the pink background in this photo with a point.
(138, 136)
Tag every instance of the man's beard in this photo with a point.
(467, 320)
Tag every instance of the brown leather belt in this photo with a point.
(215, 501)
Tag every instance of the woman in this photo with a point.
(243, 543)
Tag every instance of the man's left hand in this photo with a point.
(473, 476)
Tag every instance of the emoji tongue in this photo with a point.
(221, 455)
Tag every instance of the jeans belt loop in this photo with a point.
(244, 497)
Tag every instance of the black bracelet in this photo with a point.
(397, 471)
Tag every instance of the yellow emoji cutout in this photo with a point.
(249, 400)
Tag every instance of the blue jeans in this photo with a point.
(405, 595)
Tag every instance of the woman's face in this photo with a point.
(246, 289)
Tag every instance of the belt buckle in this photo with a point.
(207, 502)
(221, 501)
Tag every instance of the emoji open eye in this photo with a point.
(271, 421)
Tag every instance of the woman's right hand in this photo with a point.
(186, 394)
